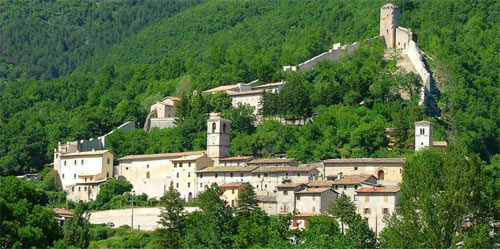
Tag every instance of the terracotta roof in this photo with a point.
(314, 190)
(269, 85)
(351, 179)
(291, 184)
(221, 169)
(251, 92)
(60, 211)
(221, 88)
(266, 198)
(236, 158)
(86, 153)
(162, 155)
(272, 160)
(383, 189)
(320, 184)
(291, 169)
(365, 160)
(440, 144)
(187, 158)
(232, 185)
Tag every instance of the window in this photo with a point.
(231, 175)
(386, 198)
(63, 176)
(345, 187)
(148, 175)
(241, 174)
(336, 186)
(314, 198)
(74, 162)
(298, 174)
(107, 160)
(224, 128)
(285, 192)
(232, 203)
(286, 175)
(298, 197)
(189, 164)
(213, 127)
(177, 174)
(232, 191)
(82, 162)
(385, 211)
(355, 167)
(126, 168)
(64, 162)
(266, 175)
(175, 165)
(380, 175)
(216, 175)
(189, 184)
(147, 166)
(85, 179)
(314, 209)
(85, 189)
(355, 186)
(57, 155)
(177, 185)
(180, 165)
(79, 189)
(107, 174)
(265, 186)
(257, 186)
(189, 174)
(201, 185)
(73, 189)
(238, 164)
(258, 175)
(74, 176)
(367, 198)
(366, 211)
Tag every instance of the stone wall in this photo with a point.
(161, 123)
(416, 59)
(334, 54)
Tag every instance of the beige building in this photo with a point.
(286, 196)
(251, 98)
(268, 204)
(153, 173)
(237, 161)
(266, 179)
(373, 203)
(231, 192)
(223, 175)
(386, 170)
(274, 162)
(80, 173)
(218, 137)
(314, 200)
(162, 114)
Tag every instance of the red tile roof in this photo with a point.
(383, 189)
(314, 190)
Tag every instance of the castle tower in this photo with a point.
(389, 21)
(218, 137)
(423, 135)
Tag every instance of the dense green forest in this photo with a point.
(48, 39)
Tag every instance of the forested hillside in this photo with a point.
(219, 42)
(47, 39)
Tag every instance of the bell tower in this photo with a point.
(423, 135)
(389, 21)
(218, 137)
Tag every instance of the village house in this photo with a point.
(152, 174)
(231, 192)
(345, 183)
(373, 203)
(238, 161)
(223, 175)
(266, 179)
(286, 196)
(268, 204)
(62, 215)
(162, 114)
(274, 162)
(386, 170)
(314, 200)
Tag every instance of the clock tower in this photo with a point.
(218, 137)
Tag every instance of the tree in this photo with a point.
(359, 235)
(342, 207)
(444, 202)
(247, 200)
(76, 230)
(171, 219)
(109, 189)
(321, 231)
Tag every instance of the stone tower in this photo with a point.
(218, 137)
(389, 21)
(423, 135)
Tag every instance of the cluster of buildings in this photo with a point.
(282, 184)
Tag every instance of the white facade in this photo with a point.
(314, 200)
(423, 135)
(265, 180)
(223, 175)
(249, 98)
(286, 196)
(373, 203)
(218, 137)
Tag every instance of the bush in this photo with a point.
(100, 232)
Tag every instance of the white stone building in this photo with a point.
(386, 170)
(266, 179)
(286, 196)
(162, 114)
(223, 175)
(314, 200)
(268, 204)
(237, 161)
(373, 203)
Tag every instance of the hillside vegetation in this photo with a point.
(47, 39)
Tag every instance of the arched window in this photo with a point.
(190, 196)
(148, 175)
(213, 127)
(380, 175)
(224, 128)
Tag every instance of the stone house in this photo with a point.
(373, 203)
(314, 200)
(162, 114)
(237, 161)
(231, 192)
(286, 196)
(268, 204)
(223, 175)
(266, 179)
(386, 170)
(184, 174)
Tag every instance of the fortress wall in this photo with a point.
(416, 59)
(332, 55)
(89, 145)
(162, 123)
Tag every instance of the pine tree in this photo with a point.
(342, 208)
(247, 200)
(171, 219)
(76, 231)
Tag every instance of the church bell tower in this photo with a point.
(218, 137)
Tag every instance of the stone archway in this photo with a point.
(380, 174)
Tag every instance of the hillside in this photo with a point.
(216, 42)
(48, 39)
